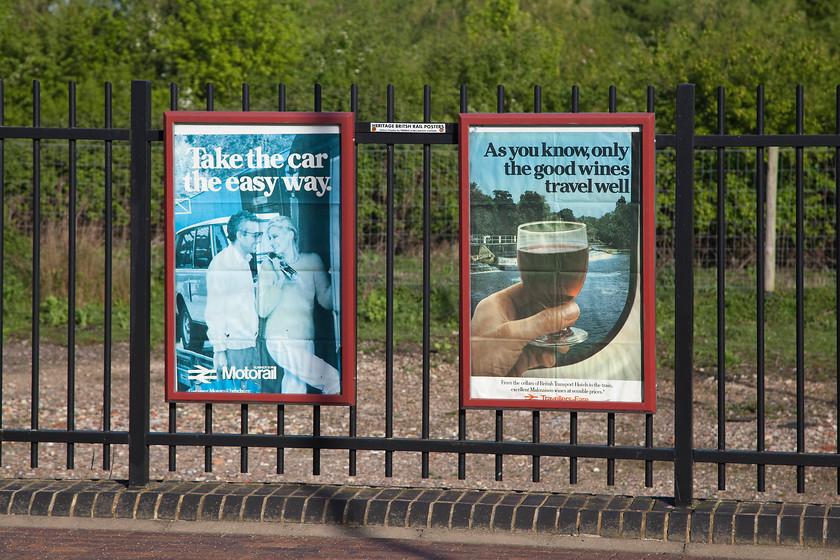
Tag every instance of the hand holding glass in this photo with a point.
(553, 258)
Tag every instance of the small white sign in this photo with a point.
(433, 128)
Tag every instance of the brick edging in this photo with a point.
(707, 522)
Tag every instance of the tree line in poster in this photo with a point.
(500, 215)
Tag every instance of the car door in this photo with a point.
(184, 244)
(202, 256)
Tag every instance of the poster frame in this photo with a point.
(645, 123)
(346, 322)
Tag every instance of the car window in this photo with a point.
(203, 251)
(219, 236)
(183, 251)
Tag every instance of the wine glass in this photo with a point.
(553, 258)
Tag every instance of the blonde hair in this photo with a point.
(286, 223)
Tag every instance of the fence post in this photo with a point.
(684, 299)
(139, 361)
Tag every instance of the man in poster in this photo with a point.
(231, 314)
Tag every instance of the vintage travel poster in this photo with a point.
(260, 257)
(557, 261)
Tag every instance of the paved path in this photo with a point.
(38, 544)
(35, 538)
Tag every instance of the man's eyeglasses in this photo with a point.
(253, 234)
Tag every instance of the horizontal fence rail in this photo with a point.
(711, 210)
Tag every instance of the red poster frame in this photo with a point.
(345, 123)
(645, 124)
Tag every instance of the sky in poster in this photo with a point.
(584, 169)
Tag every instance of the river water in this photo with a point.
(601, 300)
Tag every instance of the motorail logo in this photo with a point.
(258, 372)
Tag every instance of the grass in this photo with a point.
(741, 324)
(408, 300)
(54, 264)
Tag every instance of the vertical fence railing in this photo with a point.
(36, 271)
(649, 416)
(425, 409)
(109, 277)
(535, 415)
(800, 290)
(611, 415)
(684, 299)
(71, 277)
(173, 407)
(281, 409)
(573, 416)
(389, 289)
(760, 195)
(721, 287)
(243, 408)
(140, 308)
(500, 422)
(316, 409)
(352, 413)
(208, 407)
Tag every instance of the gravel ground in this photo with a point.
(780, 432)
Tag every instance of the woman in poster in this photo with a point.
(289, 284)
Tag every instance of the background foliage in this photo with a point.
(443, 43)
(591, 44)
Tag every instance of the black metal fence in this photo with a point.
(142, 138)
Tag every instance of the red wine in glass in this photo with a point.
(553, 258)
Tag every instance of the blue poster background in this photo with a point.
(270, 170)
